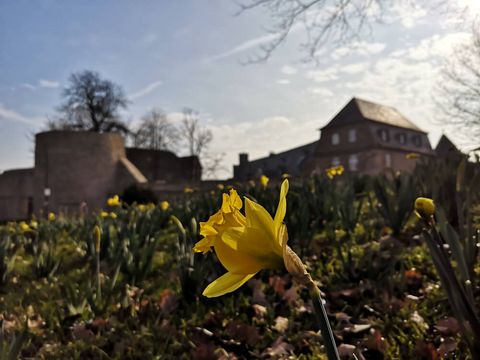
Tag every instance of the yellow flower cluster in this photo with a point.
(334, 171)
(264, 180)
(106, 214)
(244, 244)
(412, 156)
(114, 201)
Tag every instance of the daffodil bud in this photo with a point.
(97, 234)
(424, 207)
(164, 205)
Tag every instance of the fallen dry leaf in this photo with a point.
(281, 324)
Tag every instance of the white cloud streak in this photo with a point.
(246, 45)
(48, 83)
(146, 90)
(10, 115)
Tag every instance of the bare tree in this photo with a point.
(91, 104)
(156, 132)
(340, 21)
(458, 90)
(195, 137)
(212, 164)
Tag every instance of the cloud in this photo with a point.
(246, 45)
(323, 75)
(146, 90)
(27, 86)
(409, 15)
(323, 92)
(288, 70)
(48, 83)
(283, 81)
(13, 116)
(259, 138)
(359, 48)
(354, 68)
(149, 38)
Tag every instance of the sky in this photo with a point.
(191, 53)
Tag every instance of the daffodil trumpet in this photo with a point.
(246, 244)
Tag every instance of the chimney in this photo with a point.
(243, 158)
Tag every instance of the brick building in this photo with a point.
(368, 138)
(363, 136)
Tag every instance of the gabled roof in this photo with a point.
(358, 110)
(445, 146)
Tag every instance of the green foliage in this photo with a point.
(139, 296)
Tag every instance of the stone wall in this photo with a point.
(80, 168)
(165, 166)
(16, 194)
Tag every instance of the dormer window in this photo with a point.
(417, 140)
(352, 135)
(402, 139)
(383, 134)
(335, 139)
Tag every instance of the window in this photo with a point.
(417, 140)
(402, 139)
(352, 135)
(388, 160)
(383, 134)
(335, 139)
(353, 162)
(335, 161)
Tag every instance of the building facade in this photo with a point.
(368, 138)
(286, 162)
(363, 136)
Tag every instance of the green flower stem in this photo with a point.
(97, 270)
(322, 318)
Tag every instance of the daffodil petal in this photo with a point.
(258, 217)
(226, 283)
(204, 245)
(231, 257)
(207, 229)
(235, 200)
(282, 205)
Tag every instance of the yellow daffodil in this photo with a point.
(104, 214)
(113, 201)
(188, 190)
(424, 207)
(412, 156)
(24, 227)
(51, 216)
(113, 215)
(164, 205)
(264, 180)
(334, 171)
(33, 224)
(142, 207)
(285, 176)
(244, 244)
